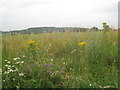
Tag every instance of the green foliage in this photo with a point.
(106, 27)
(94, 29)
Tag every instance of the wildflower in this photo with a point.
(11, 70)
(6, 65)
(51, 65)
(63, 62)
(35, 44)
(12, 65)
(24, 56)
(51, 60)
(6, 60)
(82, 43)
(48, 65)
(90, 84)
(37, 47)
(13, 79)
(18, 62)
(114, 61)
(22, 61)
(6, 72)
(16, 58)
(21, 74)
(70, 69)
(61, 68)
(31, 42)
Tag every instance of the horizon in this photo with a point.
(50, 27)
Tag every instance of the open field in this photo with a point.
(65, 60)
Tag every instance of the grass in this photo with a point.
(0, 60)
(57, 61)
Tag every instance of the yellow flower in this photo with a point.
(38, 47)
(31, 42)
(82, 43)
(35, 44)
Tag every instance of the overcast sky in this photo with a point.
(21, 14)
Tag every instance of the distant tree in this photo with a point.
(94, 28)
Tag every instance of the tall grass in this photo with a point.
(0, 60)
(60, 61)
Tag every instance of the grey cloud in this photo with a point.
(19, 14)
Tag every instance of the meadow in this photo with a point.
(60, 60)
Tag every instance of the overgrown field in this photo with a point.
(60, 60)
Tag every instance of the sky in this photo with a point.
(22, 14)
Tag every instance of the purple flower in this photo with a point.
(48, 65)
(51, 65)
(61, 68)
